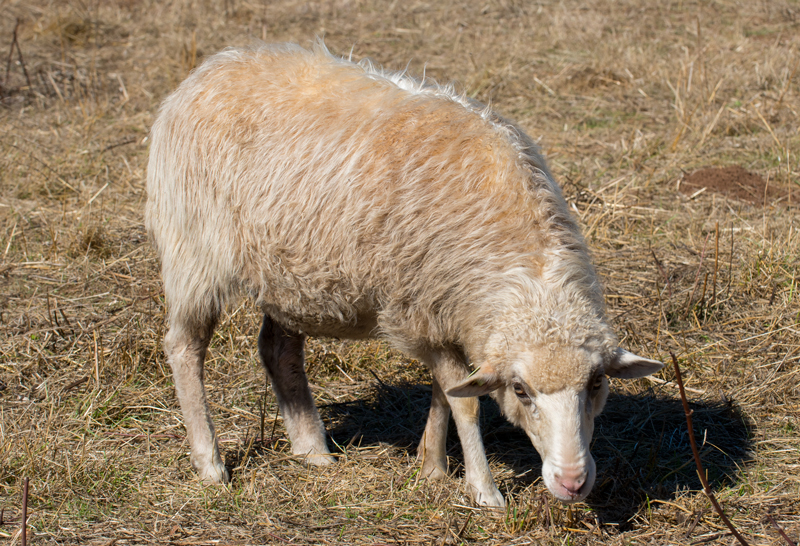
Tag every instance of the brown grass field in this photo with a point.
(673, 128)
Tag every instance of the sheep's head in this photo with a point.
(555, 395)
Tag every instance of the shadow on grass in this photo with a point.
(640, 444)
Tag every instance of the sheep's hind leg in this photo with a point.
(282, 357)
(432, 448)
(185, 345)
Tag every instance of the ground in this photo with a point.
(672, 127)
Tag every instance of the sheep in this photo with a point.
(354, 202)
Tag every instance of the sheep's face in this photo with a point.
(559, 420)
(555, 395)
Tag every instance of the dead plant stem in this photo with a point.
(96, 362)
(263, 413)
(696, 278)
(703, 298)
(701, 473)
(25, 513)
(716, 265)
(730, 267)
(781, 532)
(663, 274)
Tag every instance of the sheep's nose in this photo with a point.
(571, 481)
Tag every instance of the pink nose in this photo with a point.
(571, 481)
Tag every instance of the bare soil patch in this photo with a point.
(735, 182)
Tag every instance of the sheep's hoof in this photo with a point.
(317, 459)
(215, 473)
(313, 453)
(491, 498)
(431, 471)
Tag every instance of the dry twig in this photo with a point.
(780, 530)
(25, 513)
(15, 43)
(701, 473)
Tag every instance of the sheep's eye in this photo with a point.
(598, 382)
(520, 392)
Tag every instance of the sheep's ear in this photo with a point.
(482, 381)
(625, 365)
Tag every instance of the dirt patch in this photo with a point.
(735, 182)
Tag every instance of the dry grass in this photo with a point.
(625, 97)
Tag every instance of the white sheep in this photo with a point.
(352, 202)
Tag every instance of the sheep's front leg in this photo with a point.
(449, 372)
(282, 357)
(185, 345)
(432, 451)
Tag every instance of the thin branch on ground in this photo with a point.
(10, 54)
(780, 530)
(25, 513)
(15, 43)
(701, 473)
